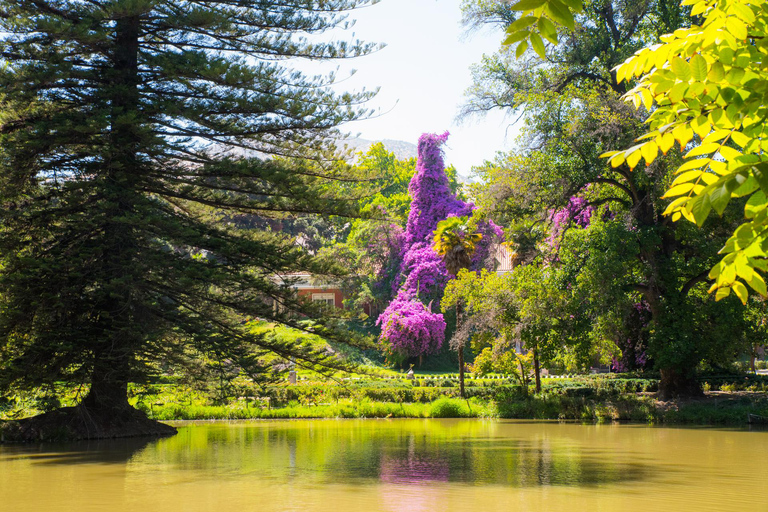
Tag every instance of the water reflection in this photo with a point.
(102, 451)
(397, 465)
(395, 452)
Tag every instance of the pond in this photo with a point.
(395, 465)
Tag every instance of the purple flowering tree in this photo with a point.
(409, 326)
(578, 212)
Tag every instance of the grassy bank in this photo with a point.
(584, 398)
(732, 411)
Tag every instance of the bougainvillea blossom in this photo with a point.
(576, 213)
(409, 327)
(430, 191)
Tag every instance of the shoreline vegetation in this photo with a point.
(727, 401)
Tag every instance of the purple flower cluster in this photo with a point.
(408, 326)
(576, 212)
(424, 270)
(431, 197)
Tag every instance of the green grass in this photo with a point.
(441, 408)
(596, 398)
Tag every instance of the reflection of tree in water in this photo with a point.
(539, 462)
(363, 453)
(102, 451)
(413, 468)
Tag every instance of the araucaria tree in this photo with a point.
(129, 130)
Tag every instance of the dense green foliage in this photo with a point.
(706, 85)
(625, 254)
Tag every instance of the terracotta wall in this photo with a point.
(338, 297)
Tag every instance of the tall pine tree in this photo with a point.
(129, 131)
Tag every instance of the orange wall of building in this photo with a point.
(338, 296)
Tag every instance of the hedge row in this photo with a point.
(316, 394)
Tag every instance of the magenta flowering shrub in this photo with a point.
(409, 327)
(577, 212)
(431, 197)
(425, 271)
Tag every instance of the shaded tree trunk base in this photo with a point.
(81, 422)
(674, 384)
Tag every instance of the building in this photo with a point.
(317, 289)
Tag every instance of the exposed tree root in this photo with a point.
(80, 422)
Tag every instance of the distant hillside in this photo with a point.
(402, 150)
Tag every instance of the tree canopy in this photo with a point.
(602, 226)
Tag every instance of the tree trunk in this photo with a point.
(460, 350)
(537, 369)
(674, 384)
(461, 371)
(109, 387)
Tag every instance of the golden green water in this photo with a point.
(395, 465)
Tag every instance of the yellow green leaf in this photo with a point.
(681, 69)
(687, 176)
(678, 190)
(722, 293)
(743, 269)
(574, 5)
(700, 206)
(740, 139)
(736, 27)
(666, 142)
(757, 283)
(560, 13)
(649, 150)
(683, 134)
(719, 198)
(521, 49)
(734, 76)
(699, 67)
(548, 30)
(514, 37)
(676, 204)
(701, 126)
(703, 149)
(693, 164)
(647, 98)
(521, 23)
(716, 136)
(677, 92)
(527, 5)
(660, 57)
(538, 45)
(740, 290)
(698, 8)
(716, 72)
(729, 153)
(633, 159)
(742, 11)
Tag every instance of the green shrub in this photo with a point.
(448, 408)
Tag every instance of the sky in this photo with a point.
(423, 73)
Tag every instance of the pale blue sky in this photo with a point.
(423, 73)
